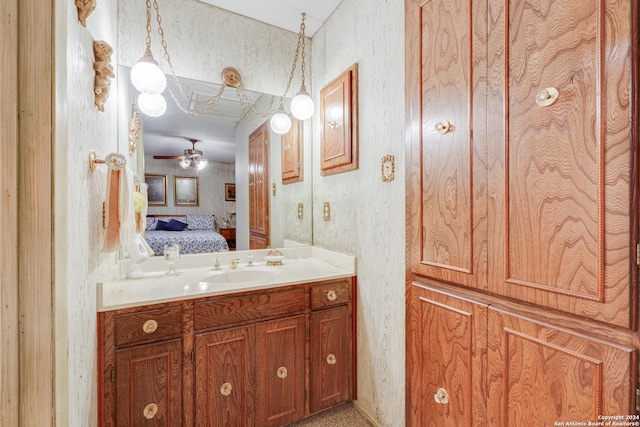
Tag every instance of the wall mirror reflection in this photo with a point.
(216, 149)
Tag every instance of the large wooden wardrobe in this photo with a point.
(522, 214)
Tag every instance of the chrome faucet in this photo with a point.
(216, 265)
(250, 261)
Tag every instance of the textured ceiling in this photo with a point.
(282, 13)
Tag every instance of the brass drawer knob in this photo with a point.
(225, 390)
(441, 396)
(150, 326)
(331, 359)
(332, 296)
(150, 410)
(443, 127)
(282, 372)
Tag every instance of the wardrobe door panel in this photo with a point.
(448, 196)
(561, 229)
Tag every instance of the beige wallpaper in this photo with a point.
(367, 215)
(79, 194)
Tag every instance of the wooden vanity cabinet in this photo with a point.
(247, 359)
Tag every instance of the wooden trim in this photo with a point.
(35, 252)
(9, 344)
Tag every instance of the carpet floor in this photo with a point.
(342, 416)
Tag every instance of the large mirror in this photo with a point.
(223, 186)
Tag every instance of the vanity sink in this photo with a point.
(239, 276)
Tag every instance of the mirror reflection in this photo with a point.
(226, 163)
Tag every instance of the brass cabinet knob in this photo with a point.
(150, 326)
(332, 296)
(282, 372)
(150, 410)
(331, 359)
(441, 396)
(547, 96)
(443, 127)
(225, 389)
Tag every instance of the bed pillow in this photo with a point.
(201, 222)
(152, 221)
(161, 225)
(175, 225)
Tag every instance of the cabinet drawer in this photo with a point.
(231, 310)
(330, 295)
(228, 233)
(148, 326)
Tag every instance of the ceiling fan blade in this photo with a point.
(168, 157)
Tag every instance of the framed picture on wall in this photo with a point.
(156, 189)
(230, 192)
(185, 191)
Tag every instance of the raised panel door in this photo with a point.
(292, 153)
(280, 371)
(543, 373)
(559, 226)
(149, 385)
(447, 181)
(225, 378)
(446, 350)
(258, 181)
(330, 370)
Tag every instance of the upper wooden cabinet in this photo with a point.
(339, 123)
(292, 153)
(509, 190)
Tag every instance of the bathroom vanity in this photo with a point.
(250, 346)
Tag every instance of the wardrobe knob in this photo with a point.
(282, 372)
(547, 96)
(443, 127)
(225, 389)
(150, 410)
(150, 326)
(441, 397)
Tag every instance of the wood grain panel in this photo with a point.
(129, 327)
(9, 289)
(259, 181)
(339, 119)
(251, 307)
(292, 153)
(445, 81)
(561, 228)
(320, 295)
(150, 374)
(330, 378)
(225, 357)
(446, 349)
(280, 344)
(35, 212)
(543, 373)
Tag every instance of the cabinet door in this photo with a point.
(447, 181)
(559, 222)
(291, 151)
(224, 378)
(259, 181)
(446, 350)
(330, 357)
(280, 371)
(149, 385)
(542, 373)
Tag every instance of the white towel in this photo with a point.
(119, 211)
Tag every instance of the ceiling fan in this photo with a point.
(190, 158)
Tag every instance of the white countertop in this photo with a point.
(197, 279)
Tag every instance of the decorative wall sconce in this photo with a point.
(104, 72)
(135, 129)
(149, 79)
(85, 8)
(388, 168)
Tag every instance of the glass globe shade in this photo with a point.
(280, 123)
(202, 164)
(153, 105)
(184, 163)
(302, 106)
(147, 77)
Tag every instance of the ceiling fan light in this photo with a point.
(146, 75)
(202, 164)
(184, 163)
(280, 123)
(153, 105)
(302, 106)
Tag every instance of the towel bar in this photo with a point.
(114, 161)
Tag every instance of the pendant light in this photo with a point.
(146, 75)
